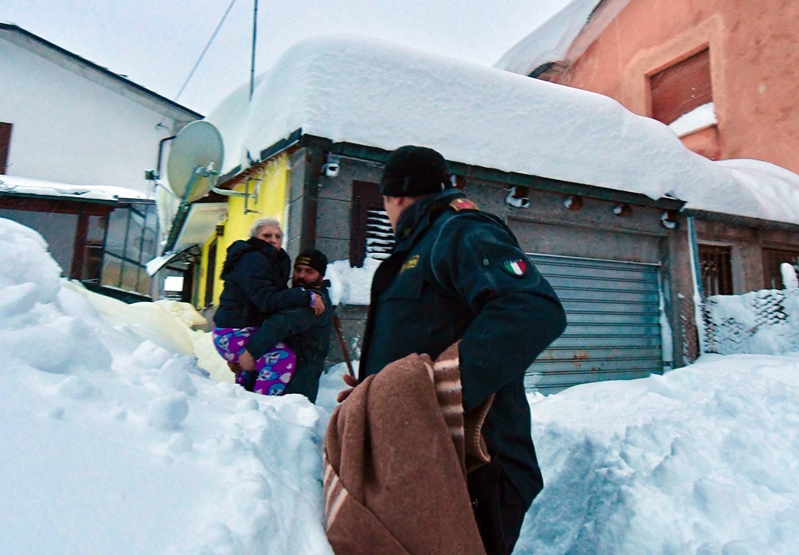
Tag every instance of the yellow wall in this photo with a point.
(270, 203)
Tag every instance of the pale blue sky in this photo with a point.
(156, 42)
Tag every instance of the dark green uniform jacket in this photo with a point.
(458, 273)
(255, 275)
(307, 335)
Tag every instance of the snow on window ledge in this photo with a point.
(695, 120)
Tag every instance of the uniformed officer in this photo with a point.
(459, 273)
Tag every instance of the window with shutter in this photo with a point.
(210, 273)
(772, 262)
(371, 235)
(681, 88)
(716, 267)
(5, 145)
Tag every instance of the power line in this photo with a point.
(207, 46)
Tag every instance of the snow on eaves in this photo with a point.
(39, 187)
(385, 95)
(551, 41)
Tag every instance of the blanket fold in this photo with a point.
(396, 456)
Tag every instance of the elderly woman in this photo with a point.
(255, 274)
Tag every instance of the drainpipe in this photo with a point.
(696, 278)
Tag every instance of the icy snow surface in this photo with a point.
(114, 443)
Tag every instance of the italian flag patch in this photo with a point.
(516, 267)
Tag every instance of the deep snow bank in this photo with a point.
(113, 443)
(110, 443)
(701, 460)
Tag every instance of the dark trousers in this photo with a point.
(498, 508)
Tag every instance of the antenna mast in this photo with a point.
(254, 34)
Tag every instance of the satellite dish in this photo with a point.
(195, 158)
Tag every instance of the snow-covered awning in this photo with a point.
(26, 186)
(200, 224)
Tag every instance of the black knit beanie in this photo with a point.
(313, 258)
(412, 171)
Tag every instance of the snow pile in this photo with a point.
(384, 95)
(348, 285)
(701, 460)
(111, 443)
(551, 41)
(759, 322)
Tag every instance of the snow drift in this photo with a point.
(113, 443)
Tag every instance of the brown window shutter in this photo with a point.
(716, 267)
(772, 260)
(681, 88)
(370, 229)
(210, 273)
(5, 145)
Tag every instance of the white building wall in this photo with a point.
(74, 125)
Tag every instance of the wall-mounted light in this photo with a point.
(573, 202)
(333, 166)
(458, 182)
(517, 197)
(622, 209)
(668, 219)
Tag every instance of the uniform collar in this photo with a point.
(419, 215)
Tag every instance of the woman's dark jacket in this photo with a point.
(255, 275)
(307, 335)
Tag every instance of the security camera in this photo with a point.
(332, 169)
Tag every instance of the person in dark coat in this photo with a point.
(457, 273)
(255, 274)
(307, 334)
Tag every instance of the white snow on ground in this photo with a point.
(701, 460)
(112, 441)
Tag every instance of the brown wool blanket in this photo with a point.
(396, 456)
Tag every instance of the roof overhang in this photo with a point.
(194, 225)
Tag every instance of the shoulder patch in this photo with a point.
(412, 262)
(462, 204)
(517, 267)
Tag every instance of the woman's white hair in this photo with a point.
(261, 222)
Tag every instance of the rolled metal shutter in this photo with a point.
(613, 333)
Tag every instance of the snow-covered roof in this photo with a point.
(550, 41)
(39, 187)
(383, 95)
(26, 39)
(763, 190)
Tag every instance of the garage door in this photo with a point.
(614, 323)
